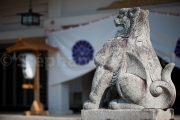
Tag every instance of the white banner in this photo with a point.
(78, 45)
(164, 34)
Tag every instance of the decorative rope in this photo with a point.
(103, 18)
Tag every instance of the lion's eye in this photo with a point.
(121, 15)
(133, 11)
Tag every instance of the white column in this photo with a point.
(58, 99)
(54, 8)
(58, 94)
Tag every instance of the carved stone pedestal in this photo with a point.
(128, 114)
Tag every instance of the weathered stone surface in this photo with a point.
(129, 74)
(127, 114)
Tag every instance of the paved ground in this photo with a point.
(58, 117)
(177, 117)
(34, 117)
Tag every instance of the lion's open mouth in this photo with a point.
(125, 24)
(122, 25)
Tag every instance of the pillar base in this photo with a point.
(60, 112)
(37, 108)
(28, 113)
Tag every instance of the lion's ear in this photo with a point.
(137, 8)
(133, 12)
(147, 12)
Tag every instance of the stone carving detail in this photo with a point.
(129, 74)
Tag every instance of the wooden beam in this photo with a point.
(29, 86)
(36, 80)
(31, 45)
(136, 3)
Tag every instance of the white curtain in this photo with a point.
(165, 32)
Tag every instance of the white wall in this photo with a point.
(54, 8)
(62, 12)
(58, 99)
(83, 7)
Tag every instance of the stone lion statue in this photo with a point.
(129, 74)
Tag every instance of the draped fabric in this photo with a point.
(77, 46)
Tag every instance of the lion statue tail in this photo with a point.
(164, 90)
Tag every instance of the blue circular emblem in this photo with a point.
(177, 49)
(82, 52)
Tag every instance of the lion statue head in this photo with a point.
(131, 19)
